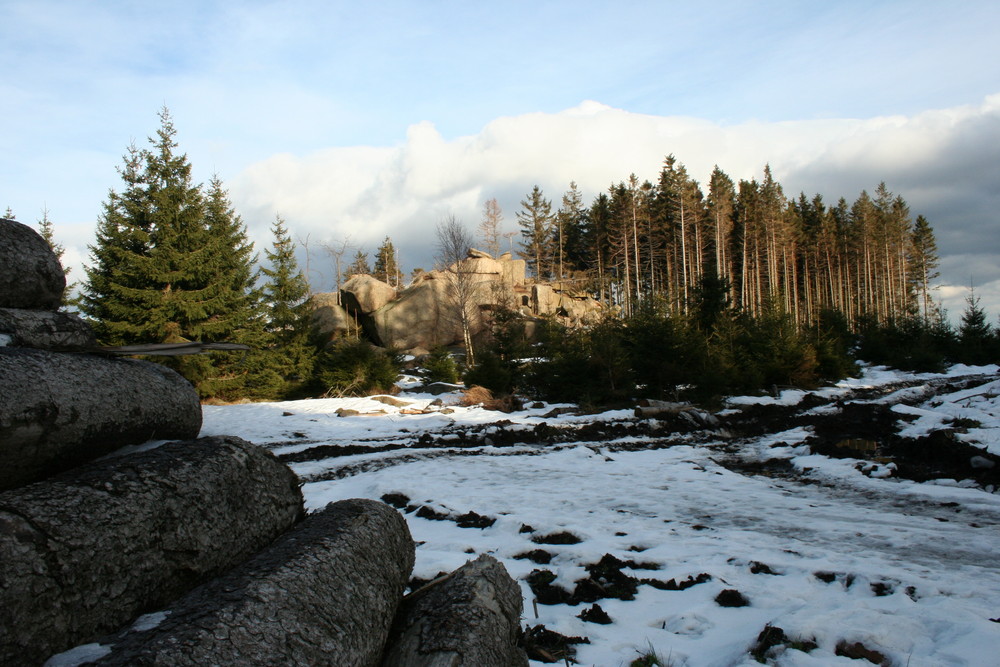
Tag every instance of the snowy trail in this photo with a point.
(818, 548)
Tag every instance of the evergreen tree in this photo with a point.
(536, 222)
(923, 263)
(285, 291)
(359, 266)
(569, 230)
(170, 264)
(975, 336)
(386, 264)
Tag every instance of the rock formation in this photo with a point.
(84, 552)
(425, 314)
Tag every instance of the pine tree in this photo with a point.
(285, 292)
(170, 264)
(386, 264)
(536, 222)
(975, 336)
(923, 263)
(359, 266)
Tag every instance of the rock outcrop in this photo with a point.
(329, 319)
(365, 294)
(426, 313)
(84, 552)
(60, 410)
(324, 594)
(31, 276)
(469, 618)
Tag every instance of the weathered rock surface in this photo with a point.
(323, 594)
(365, 294)
(46, 330)
(420, 317)
(470, 618)
(85, 552)
(329, 319)
(58, 410)
(30, 275)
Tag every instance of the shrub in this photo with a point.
(441, 366)
(355, 367)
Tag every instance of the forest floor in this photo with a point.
(855, 521)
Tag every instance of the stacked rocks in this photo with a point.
(208, 531)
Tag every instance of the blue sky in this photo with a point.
(360, 120)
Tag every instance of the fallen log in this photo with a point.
(46, 330)
(323, 594)
(469, 618)
(58, 410)
(84, 552)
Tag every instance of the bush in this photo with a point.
(357, 368)
(441, 366)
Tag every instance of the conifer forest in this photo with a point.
(707, 287)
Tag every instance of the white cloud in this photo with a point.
(944, 163)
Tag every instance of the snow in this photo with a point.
(928, 548)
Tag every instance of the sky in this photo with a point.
(358, 121)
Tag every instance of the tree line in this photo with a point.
(665, 239)
(741, 289)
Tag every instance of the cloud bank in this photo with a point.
(945, 163)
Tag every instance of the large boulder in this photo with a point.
(87, 551)
(323, 594)
(424, 315)
(469, 618)
(46, 330)
(30, 274)
(59, 410)
(329, 319)
(365, 294)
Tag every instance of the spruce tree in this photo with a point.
(536, 231)
(171, 264)
(386, 264)
(975, 336)
(359, 266)
(287, 312)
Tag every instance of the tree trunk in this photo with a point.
(467, 619)
(85, 552)
(59, 410)
(323, 594)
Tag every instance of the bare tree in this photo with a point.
(489, 228)
(336, 252)
(453, 244)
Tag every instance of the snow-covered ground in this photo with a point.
(826, 553)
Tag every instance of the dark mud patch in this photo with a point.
(942, 455)
(333, 451)
(562, 537)
(467, 520)
(604, 580)
(731, 597)
(594, 614)
(772, 636)
(548, 646)
(537, 556)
